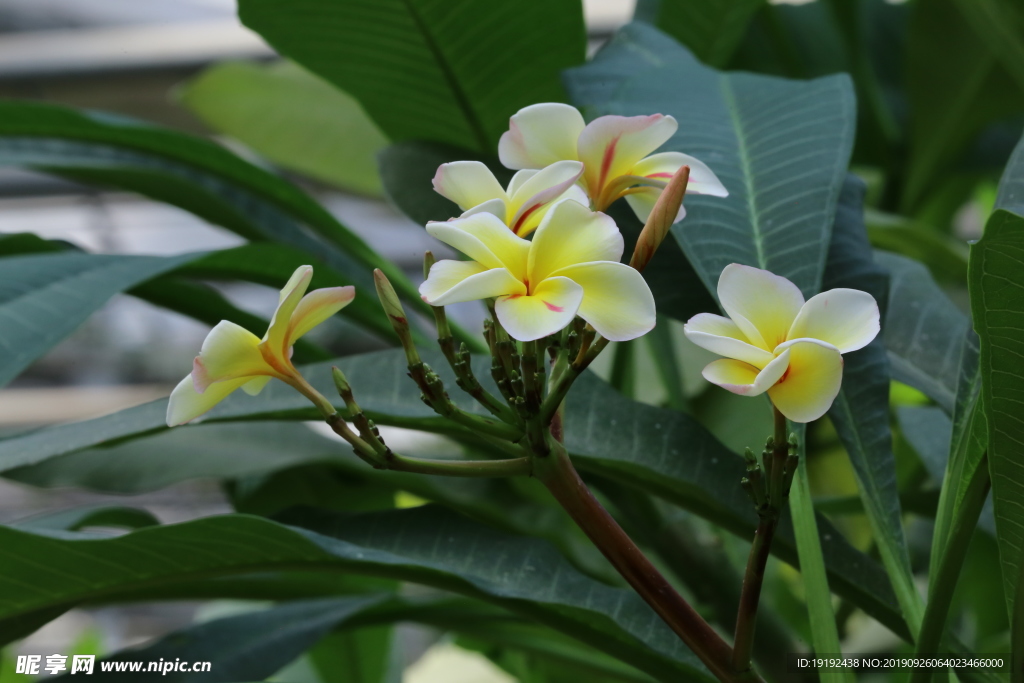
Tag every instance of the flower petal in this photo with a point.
(452, 282)
(815, 374)
(643, 199)
(762, 305)
(229, 351)
(316, 307)
(664, 165)
(467, 183)
(743, 378)
(549, 308)
(540, 135)
(495, 207)
(187, 404)
(848, 319)
(254, 386)
(616, 299)
(275, 340)
(611, 145)
(484, 238)
(536, 193)
(722, 336)
(570, 234)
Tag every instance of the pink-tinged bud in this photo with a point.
(661, 219)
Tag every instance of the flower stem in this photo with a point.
(768, 520)
(940, 592)
(560, 477)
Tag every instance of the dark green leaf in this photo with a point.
(292, 118)
(427, 69)
(923, 330)
(659, 451)
(424, 545)
(712, 29)
(780, 147)
(45, 297)
(80, 518)
(1000, 23)
(246, 647)
(860, 411)
(929, 430)
(997, 303)
(1011, 186)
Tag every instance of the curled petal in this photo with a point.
(762, 305)
(616, 300)
(187, 404)
(664, 165)
(571, 234)
(549, 308)
(848, 319)
(486, 239)
(643, 199)
(536, 193)
(815, 374)
(229, 351)
(452, 282)
(540, 135)
(467, 183)
(743, 378)
(275, 341)
(722, 336)
(316, 307)
(611, 145)
(495, 207)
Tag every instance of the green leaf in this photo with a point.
(45, 297)
(292, 118)
(860, 411)
(923, 330)
(659, 451)
(1011, 186)
(780, 147)
(930, 432)
(955, 87)
(366, 655)
(191, 173)
(424, 545)
(426, 69)
(75, 519)
(711, 29)
(1000, 23)
(945, 256)
(997, 303)
(246, 647)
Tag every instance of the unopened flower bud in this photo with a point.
(661, 219)
(396, 314)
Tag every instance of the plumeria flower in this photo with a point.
(530, 194)
(571, 267)
(232, 357)
(774, 341)
(615, 151)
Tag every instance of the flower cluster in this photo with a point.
(568, 172)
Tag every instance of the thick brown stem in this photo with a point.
(561, 478)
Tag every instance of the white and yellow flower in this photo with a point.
(774, 341)
(571, 267)
(232, 357)
(616, 152)
(530, 193)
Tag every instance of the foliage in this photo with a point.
(840, 128)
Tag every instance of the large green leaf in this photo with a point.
(245, 647)
(712, 29)
(659, 451)
(780, 147)
(956, 86)
(45, 297)
(997, 304)
(1011, 186)
(860, 411)
(429, 69)
(1000, 23)
(292, 118)
(424, 545)
(923, 330)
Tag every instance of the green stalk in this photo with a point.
(825, 636)
(940, 593)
